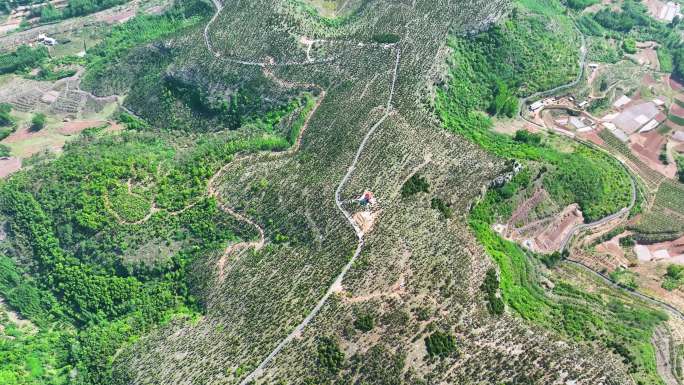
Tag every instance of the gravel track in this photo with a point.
(258, 371)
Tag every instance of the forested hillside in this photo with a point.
(300, 192)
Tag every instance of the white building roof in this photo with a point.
(537, 105)
(649, 126)
(641, 119)
(678, 136)
(669, 11)
(624, 99)
(658, 102)
(634, 117)
(643, 253)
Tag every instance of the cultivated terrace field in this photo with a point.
(300, 192)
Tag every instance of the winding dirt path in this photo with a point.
(211, 189)
(260, 243)
(296, 332)
(338, 201)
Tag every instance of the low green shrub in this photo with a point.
(414, 185)
(441, 344)
(365, 323)
(330, 357)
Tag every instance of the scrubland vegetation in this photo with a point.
(69, 230)
(23, 58)
(86, 233)
(112, 247)
(49, 13)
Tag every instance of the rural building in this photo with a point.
(367, 198)
(678, 136)
(622, 101)
(669, 11)
(46, 40)
(635, 117)
(649, 126)
(536, 105)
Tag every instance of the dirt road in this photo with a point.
(338, 201)
(359, 234)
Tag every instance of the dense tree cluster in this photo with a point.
(74, 8)
(414, 185)
(330, 357)
(580, 4)
(441, 344)
(490, 286)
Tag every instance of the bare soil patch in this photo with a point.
(676, 110)
(23, 133)
(674, 84)
(550, 238)
(611, 247)
(366, 220)
(9, 166)
(592, 137)
(77, 126)
(648, 146)
(673, 251)
(650, 280)
(648, 79)
(648, 57)
(14, 317)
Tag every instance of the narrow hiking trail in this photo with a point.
(211, 189)
(207, 42)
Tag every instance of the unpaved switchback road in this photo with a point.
(258, 371)
(359, 234)
(663, 305)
